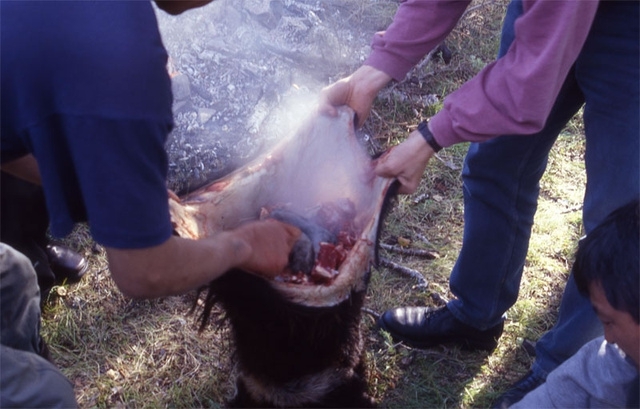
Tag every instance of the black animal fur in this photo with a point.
(279, 344)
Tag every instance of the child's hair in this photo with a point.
(610, 257)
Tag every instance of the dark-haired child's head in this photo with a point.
(607, 269)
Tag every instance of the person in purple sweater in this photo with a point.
(555, 57)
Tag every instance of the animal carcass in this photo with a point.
(297, 337)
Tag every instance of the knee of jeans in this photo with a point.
(31, 381)
(16, 271)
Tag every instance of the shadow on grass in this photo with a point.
(448, 377)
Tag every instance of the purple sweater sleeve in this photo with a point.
(418, 27)
(512, 95)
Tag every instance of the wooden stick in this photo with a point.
(423, 283)
(410, 252)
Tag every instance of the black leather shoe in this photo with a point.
(518, 390)
(66, 264)
(423, 327)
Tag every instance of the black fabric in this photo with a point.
(23, 225)
(633, 400)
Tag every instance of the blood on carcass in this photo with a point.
(337, 216)
(337, 219)
(321, 177)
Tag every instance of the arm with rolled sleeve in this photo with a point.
(86, 111)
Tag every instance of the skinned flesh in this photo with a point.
(322, 162)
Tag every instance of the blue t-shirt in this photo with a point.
(84, 88)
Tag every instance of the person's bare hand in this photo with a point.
(357, 91)
(271, 242)
(406, 162)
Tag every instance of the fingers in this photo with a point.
(292, 233)
(407, 186)
(358, 91)
(360, 117)
(332, 96)
(271, 242)
(325, 108)
(172, 195)
(405, 162)
(270, 234)
(344, 92)
(390, 169)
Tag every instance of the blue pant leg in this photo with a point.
(514, 10)
(607, 72)
(501, 185)
(26, 379)
(29, 381)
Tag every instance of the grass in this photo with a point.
(123, 353)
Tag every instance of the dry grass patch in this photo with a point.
(126, 353)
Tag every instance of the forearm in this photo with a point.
(25, 168)
(176, 266)
(357, 91)
(368, 81)
(406, 162)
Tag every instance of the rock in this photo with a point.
(205, 114)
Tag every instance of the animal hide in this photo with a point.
(297, 338)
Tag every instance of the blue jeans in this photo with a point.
(26, 379)
(501, 182)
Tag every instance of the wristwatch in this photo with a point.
(423, 128)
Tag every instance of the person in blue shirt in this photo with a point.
(86, 110)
